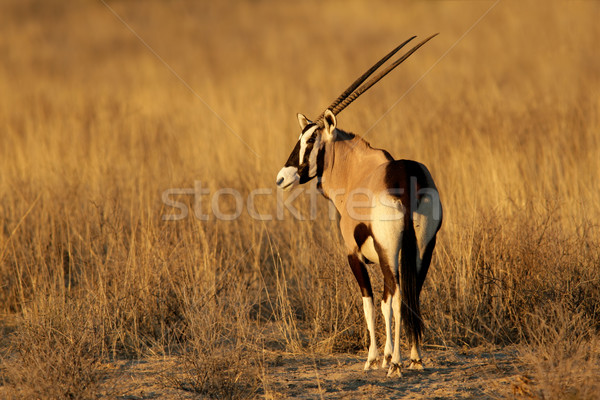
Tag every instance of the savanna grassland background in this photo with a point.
(97, 121)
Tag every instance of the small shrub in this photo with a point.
(56, 354)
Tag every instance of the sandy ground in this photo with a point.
(449, 374)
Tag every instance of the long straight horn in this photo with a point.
(354, 95)
(364, 77)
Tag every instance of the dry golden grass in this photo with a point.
(94, 128)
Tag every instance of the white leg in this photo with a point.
(395, 366)
(369, 309)
(386, 309)
(415, 357)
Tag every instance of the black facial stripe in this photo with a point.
(294, 156)
(309, 147)
(304, 168)
(307, 127)
(320, 161)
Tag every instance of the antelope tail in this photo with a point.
(410, 309)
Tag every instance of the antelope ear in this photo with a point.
(303, 121)
(329, 123)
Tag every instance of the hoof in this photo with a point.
(416, 364)
(369, 365)
(386, 361)
(394, 370)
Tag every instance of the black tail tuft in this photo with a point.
(410, 309)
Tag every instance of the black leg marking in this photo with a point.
(389, 280)
(361, 274)
(361, 234)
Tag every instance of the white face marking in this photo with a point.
(303, 138)
(312, 158)
(302, 149)
(287, 177)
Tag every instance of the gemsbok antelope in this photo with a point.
(389, 214)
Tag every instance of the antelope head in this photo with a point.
(306, 160)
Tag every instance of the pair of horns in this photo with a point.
(352, 92)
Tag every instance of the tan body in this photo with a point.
(355, 179)
(361, 166)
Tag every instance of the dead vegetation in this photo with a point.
(94, 128)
